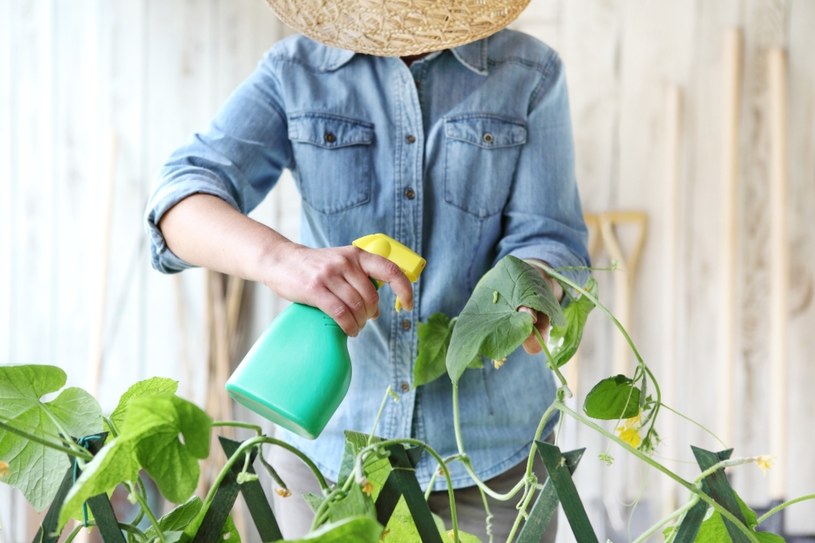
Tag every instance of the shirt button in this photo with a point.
(410, 138)
(405, 386)
(488, 138)
(405, 324)
(329, 137)
(410, 194)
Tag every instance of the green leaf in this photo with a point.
(768, 537)
(178, 518)
(566, 339)
(376, 469)
(114, 463)
(434, 339)
(174, 522)
(490, 324)
(354, 504)
(156, 386)
(35, 469)
(313, 500)
(613, 398)
(170, 434)
(350, 530)
(712, 530)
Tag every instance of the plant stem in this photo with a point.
(147, 511)
(527, 499)
(236, 424)
(195, 523)
(77, 452)
(653, 463)
(698, 425)
(388, 392)
(466, 461)
(668, 518)
(550, 361)
(640, 361)
(784, 505)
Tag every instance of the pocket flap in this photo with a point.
(487, 131)
(329, 131)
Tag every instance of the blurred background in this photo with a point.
(694, 127)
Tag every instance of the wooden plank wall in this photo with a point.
(622, 57)
(74, 76)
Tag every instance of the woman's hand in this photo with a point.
(337, 280)
(540, 320)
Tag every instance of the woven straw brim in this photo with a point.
(397, 27)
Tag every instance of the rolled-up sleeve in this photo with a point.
(543, 218)
(238, 159)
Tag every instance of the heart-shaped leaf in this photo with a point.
(155, 386)
(490, 323)
(613, 398)
(434, 339)
(34, 468)
(566, 339)
(170, 435)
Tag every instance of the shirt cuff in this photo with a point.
(168, 195)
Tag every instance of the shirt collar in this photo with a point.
(473, 55)
(336, 58)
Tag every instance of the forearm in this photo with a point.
(206, 231)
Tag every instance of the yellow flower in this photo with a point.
(764, 462)
(3, 469)
(283, 492)
(630, 436)
(368, 488)
(498, 363)
(629, 431)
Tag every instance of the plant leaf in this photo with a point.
(566, 339)
(170, 434)
(35, 469)
(176, 520)
(769, 537)
(490, 323)
(354, 504)
(114, 463)
(155, 386)
(376, 469)
(434, 339)
(349, 530)
(613, 398)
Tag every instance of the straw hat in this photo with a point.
(397, 27)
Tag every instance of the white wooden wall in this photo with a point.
(76, 75)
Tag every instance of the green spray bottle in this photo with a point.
(298, 372)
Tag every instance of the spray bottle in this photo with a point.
(299, 370)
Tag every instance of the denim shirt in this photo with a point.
(465, 156)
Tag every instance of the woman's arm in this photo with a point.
(206, 231)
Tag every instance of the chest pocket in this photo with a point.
(481, 154)
(333, 160)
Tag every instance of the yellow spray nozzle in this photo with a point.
(408, 261)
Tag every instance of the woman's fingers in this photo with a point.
(382, 269)
(338, 281)
(539, 321)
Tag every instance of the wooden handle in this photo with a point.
(779, 269)
(624, 277)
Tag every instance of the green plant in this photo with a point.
(155, 432)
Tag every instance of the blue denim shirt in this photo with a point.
(465, 156)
